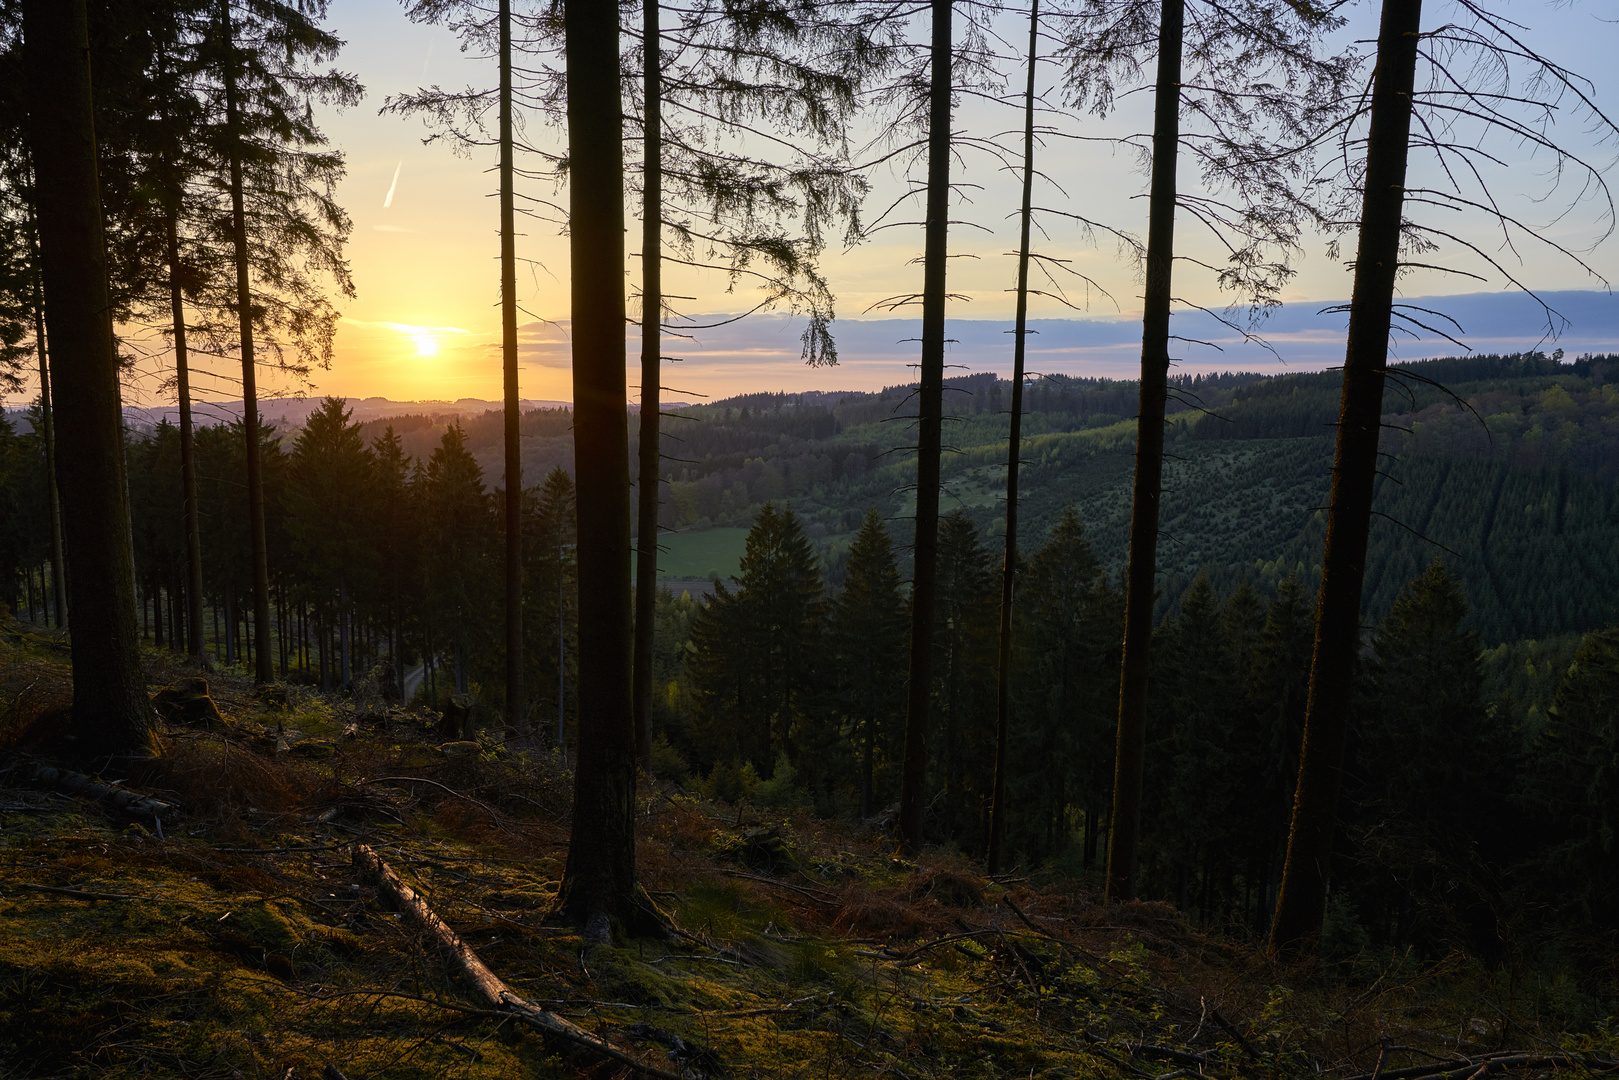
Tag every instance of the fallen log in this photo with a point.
(485, 983)
(1482, 1065)
(129, 802)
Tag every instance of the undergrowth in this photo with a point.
(239, 943)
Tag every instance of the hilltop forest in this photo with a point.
(1226, 687)
(1493, 562)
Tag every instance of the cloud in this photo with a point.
(540, 344)
(408, 328)
(389, 199)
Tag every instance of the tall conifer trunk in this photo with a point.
(1014, 444)
(598, 882)
(263, 672)
(110, 709)
(646, 555)
(1141, 572)
(47, 429)
(1302, 898)
(930, 403)
(508, 328)
(188, 461)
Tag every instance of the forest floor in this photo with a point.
(236, 939)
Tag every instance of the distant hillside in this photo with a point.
(1506, 466)
(1512, 480)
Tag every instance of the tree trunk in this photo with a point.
(508, 327)
(1302, 897)
(1141, 572)
(263, 672)
(1014, 443)
(562, 656)
(110, 708)
(930, 401)
(47, 430)
(188, 462)
(598, 883)
(646, 557)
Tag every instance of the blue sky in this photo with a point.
(423, 251)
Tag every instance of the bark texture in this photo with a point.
(508, 329)
(1142, 569)
(1302, 898)
(1014, 444)
(598, 883)
(262, 670)
(111, 714)
(646, 554)
(930, 399)
(188, 462)
(47, 428)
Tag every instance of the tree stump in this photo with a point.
(456, 723)
(188, 702)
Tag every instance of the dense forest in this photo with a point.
(380, 568)
(1310, 678)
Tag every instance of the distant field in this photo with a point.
(699, 553)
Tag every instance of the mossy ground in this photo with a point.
(240, 943)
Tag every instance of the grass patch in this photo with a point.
(698, 553)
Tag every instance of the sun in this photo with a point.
(426, 344)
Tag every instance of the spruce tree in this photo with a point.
(930, 406)
(1573, 790)
(551, 600)
(332, 477)
(1067, 690)
(868, 622)
(270, 146)
(458, 530)
(110, 708)
(599, 883)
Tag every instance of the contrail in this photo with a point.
(389, 201)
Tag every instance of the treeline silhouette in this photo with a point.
(380, 564)
(1508, 473)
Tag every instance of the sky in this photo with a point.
(425, 322)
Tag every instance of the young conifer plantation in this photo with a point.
(1012, 719)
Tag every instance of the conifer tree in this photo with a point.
(110, 706)
(1067, 687)
(1573, 789)
(1456, 112)
(868, 622)
(458, 528)
(745, 178)
(930, 406)
(760, 648)
(965, 641)
(268, 125)
(599, 883)
(508, 337)
(398, 532)
(551, 602)
(1014, 447)
(1257, 83)
(331, 481)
